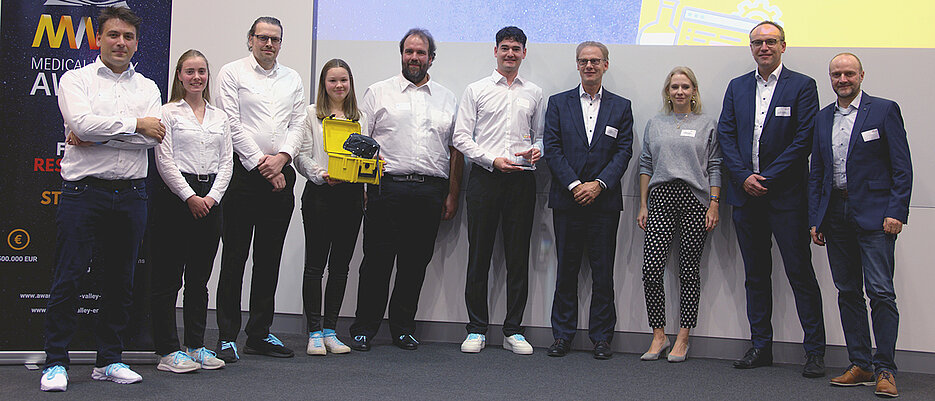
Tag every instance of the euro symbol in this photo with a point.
(18, 239)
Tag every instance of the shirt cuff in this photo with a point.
(214, 194)
(574, 184)
(603, 184)
(131, 125)
(187, 192)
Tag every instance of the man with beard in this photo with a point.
(499, 128)
(859, 187)
(265, 106)
(765, 132)
(412, 117)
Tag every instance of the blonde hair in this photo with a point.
(696, 97)
(323, 103)
(178, 91)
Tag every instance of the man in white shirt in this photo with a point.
(412, 118)
(499, 129)
(111, 117)
(265, 105)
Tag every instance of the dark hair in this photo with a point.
(178, 91)
(323, 103)
(265, 20)
(782, 33)
(122, 13)
(511, 32)
(422, 33)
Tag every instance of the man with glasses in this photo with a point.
(765, 132)
(265, 105)
(499, 128)
(588, 141)
(412, 117)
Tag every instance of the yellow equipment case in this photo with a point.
(342, 165)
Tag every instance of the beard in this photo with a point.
(415, 77)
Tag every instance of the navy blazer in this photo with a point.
(570, 157)
(784, 144)
(879, 170)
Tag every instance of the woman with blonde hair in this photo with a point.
(680, 182)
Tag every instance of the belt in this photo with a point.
(412, 178)
(841, 193)
(110, 185)
(200, 177)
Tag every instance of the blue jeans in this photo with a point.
(863, 260)
(111, 221)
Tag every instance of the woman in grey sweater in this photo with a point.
(679, 186)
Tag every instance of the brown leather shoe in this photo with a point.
(854, 376)
(886, 384)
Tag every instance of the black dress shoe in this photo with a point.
(814, 366)
(602, 350)
(406, 342)
(360, 343)
(754, 358)
(559, 348)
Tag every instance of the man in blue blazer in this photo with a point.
(765, 131)
(859, 187)
(588, 138)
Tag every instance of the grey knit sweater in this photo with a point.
(688, 151)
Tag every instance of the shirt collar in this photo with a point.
(497, 78)
(258, 68)
(103, 67)
(405, 84)
(855, 105)
(586, 95)
(772, 76)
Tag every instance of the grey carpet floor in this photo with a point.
(439, 371)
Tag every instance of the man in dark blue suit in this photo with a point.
(588, 138)
(765, 131)
(859, 187)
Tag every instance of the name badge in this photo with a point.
(610, 131)
(783, 111)
(403, 106)
(688, 132)
(524, 103)
(871, 135)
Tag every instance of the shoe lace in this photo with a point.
(413, 339)
(887, 375)
(204, 353)
(475, 336)
(518, 337)
(55, 371)
(316, 339)
(334, 337)
(360, 338)
(181, 357)
(232, 345)
(115, 367)
(273, 340)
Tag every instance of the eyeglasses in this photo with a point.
(264, 39)
(769, 42)
(583, 62)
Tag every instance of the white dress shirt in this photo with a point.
(495, 120)
(844, 120)
(101, 107)
(265, 109)
(412, 124)
(194, 148)
(312, 160)
(590, 106)
(764, 95)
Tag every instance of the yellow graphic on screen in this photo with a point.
(828, 23)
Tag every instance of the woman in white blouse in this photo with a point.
(195, 162)
(331, 211)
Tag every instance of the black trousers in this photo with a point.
(509, 200)
(251, 207)
(182, 246)
(331, 216)
(400, 224)
(577, 230)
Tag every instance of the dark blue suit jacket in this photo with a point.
(784, 144)
(879, 171)
(570, 157)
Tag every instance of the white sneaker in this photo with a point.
(518, 344)
(177, 362)
(474, 343)
(117, 373)
(315, 344)
(334, 345)
(207, 358)
(54, 378)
